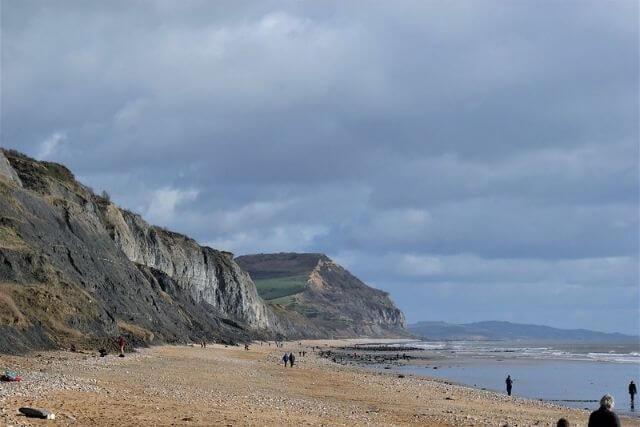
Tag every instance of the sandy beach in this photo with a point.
(189, 385)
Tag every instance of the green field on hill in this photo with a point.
(279, 287)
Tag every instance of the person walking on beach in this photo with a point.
(604, 417)
(292, 359)
(509, 383)
(121, 344)
(632, 391)
(285, 358)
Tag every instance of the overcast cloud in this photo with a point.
(476, 159)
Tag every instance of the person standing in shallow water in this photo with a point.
(509, 383)
(632, 391)
(604, 417)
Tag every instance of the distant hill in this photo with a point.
(498, 330)
(313, 291)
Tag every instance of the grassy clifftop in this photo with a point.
(282, 286)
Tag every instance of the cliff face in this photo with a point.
(6, 171)
(337, 295)
(314, 291)
(75, 268)
(206, 274)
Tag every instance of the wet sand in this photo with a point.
(189, 385)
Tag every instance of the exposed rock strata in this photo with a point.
(7, 172)
(206, 274)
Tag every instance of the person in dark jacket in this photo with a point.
(632, 391)
(604, 417)
(509, 383)
(285, 358)
(292, 359)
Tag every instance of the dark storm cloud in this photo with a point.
(444, 151)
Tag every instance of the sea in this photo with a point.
(569, 374)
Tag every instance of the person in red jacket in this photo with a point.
(121, 344)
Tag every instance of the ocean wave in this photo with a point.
(615, 357)
(479, 349)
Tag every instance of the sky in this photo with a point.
(478, 160)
